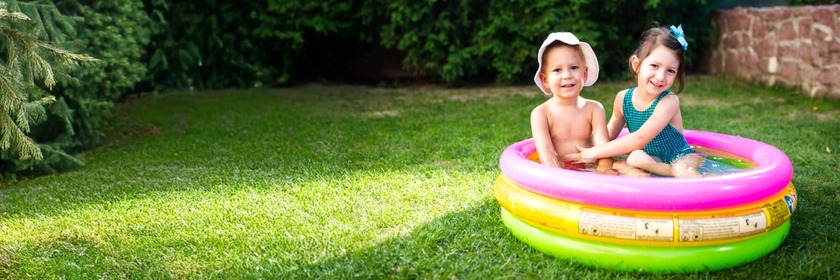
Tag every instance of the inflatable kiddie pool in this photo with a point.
(651, 224)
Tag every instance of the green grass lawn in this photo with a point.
(355, 182)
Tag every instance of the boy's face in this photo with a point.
(657, 71)
(564, 72)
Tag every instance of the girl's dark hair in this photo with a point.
(660, 36)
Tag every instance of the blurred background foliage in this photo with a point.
(198, 44)
(159, 45)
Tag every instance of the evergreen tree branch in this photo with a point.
(15, 140)
(27, 66)
(13, 15)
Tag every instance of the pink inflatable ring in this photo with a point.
(773, 174)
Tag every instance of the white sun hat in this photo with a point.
(569, 38)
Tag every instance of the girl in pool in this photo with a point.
(651, 111)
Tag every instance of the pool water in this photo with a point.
(715, 162)
(720, 162)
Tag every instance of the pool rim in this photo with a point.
(773, 174)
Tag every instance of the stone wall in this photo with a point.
(795, 47)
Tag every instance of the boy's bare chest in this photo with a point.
(570, 124)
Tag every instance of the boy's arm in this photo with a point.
(542, 138)
(600, 136)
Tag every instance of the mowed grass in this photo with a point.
(345, 182)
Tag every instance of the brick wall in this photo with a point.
(795, 47)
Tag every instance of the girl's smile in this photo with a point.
(657, 71)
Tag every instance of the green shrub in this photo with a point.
(457, 41)
(305, 32)
(117, 33)
(252, 43)
(454, 41)
(205, 44)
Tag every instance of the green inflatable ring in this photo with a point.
(641, 258)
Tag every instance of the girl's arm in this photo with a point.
(662, 115)
(617, 120)
(542, 137)
(676, 122)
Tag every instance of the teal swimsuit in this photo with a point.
(669, 144)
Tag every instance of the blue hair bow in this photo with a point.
(678, 32)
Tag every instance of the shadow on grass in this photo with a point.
(474, 244)
(469, 244)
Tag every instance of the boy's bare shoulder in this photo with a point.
(539, 108)
(541, 112)
(592, 104)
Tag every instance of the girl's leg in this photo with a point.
(605, 166)
(687, 166)
(625, 169)
(642, 160)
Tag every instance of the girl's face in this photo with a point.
(656, 73)
(564, 72)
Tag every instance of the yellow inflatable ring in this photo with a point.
(645, 228)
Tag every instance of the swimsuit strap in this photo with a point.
(635, 118)
(628, 100)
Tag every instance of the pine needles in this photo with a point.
(27, 66)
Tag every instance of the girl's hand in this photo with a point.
(583, 156)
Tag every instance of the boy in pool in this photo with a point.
(567, 120)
